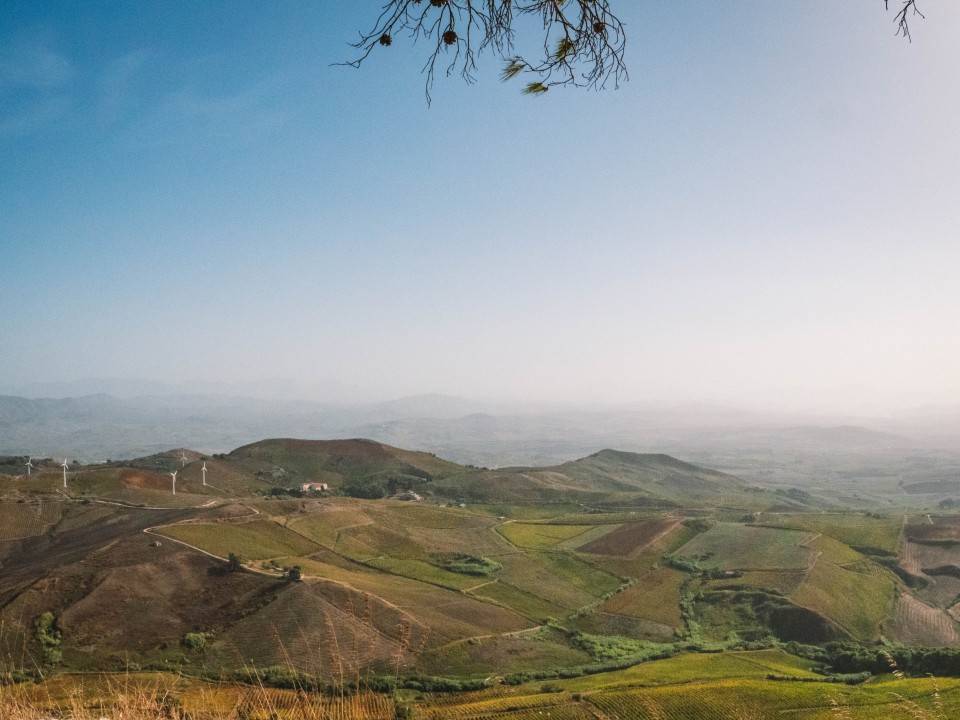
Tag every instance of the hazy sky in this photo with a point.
(768, 211)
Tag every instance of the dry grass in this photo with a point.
(166, 697)
(693, 687)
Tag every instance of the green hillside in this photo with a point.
(610, 478)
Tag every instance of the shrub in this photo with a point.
(49, 637)
(699, 525)
(194, 641)
(365, 491)
(466, 564)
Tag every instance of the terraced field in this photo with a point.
(916, 623)
(938, 561)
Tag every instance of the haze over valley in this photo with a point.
(459, 360)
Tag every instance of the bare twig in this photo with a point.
(907, 10)
(583, 41)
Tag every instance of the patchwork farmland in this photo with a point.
(550, 604)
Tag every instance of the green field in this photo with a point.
(571, 569)
(538, 650)
(526, 603)
(731, 686)
(655, 597)
(732, 546)
(857, 598)
(424, 572)
(324, 527)
(549, 578)
(784, 582)
(856, 530)
(254, 540)
(384, 541)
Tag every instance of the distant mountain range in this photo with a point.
(99, 427)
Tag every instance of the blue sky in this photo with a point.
(765, 213)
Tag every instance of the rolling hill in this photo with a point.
(608, 476)
(558, 571)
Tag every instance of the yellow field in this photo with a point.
(537, 536)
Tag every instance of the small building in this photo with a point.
(314, 487)
(408, 495)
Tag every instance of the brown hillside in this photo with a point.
(138, 478)
(937, 533)
(139, 606)
(326, 629)
(336, 461)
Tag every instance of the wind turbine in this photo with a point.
(174, 476)
(29, 465)
(64, 466)
(183, 458)
(204, 471)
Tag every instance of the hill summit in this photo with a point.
(361, 467)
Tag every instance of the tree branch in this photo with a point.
(583, 44)
(907, 10)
